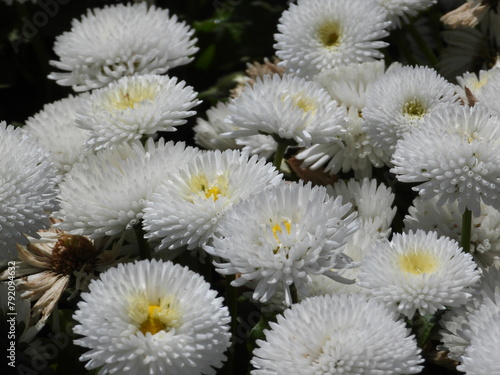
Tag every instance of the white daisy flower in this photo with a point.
(55, 129)
(152, 317)
(470, 85)
(262, 145)
(289, 108)
(47, 266)
(373, 203)
(403, 10)
(120, 40)
(466, 169)
(105, 193)
(446, 220)
(488, 96)
(207, 132)
(134, 108)
(315, 35)
(401, 100)
(27, 190)
(187, 207)
(419, 271)
(347, 85)
(481, 356)
(281, 237)
(457, 333)
(339, 334)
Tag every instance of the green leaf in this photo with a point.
(423, 327)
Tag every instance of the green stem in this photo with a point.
(466, 230)
(278, 155)
(144, 250)
(429, 54)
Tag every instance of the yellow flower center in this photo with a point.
(418, 262)
(153, 318)
(131, 97)
(414, 109)
(277, 228)
(304, 103)
(329, 33)
(200, 185)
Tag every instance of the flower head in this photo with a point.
(121, 40)
(281, 237)
(105, 193)
(56, 261)
(314, 35)
(187, 207)
(419, 271)
(55, 129)
(402, 10)
(134, 108)
(289, 108)
(337, 334)
(152, 317)
(401, 100)
(27, 189)
(446, 220)
(466, 169)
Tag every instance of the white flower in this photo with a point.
(470, 86)
(55, 129)
(446, 220)
(152, 317)
(402, 10)
(347, 85)
(401, 100)
(289, 108)
(372, 202)
(120, 40)
(481, 356)
(187, 207)
(134, 108)
(315, 35)
(457, 333)
(105, 194)
(27, 188)
(419, 271)
(488, 96)
(339, 334)
(207, 133)
(465, 168)
(48, 265)
(281, 237)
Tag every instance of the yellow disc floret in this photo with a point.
(200, 185)
(154, 317)
(414, 109)
(329, 34)
(418, 262)
(131, 97)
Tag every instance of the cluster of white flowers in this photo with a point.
(96, 199)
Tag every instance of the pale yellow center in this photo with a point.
(214, 189)
(277, 228)
(156, 317)
(329, 33)
(418, 262)
(304, 103)
(131, 97)
(414, 109)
